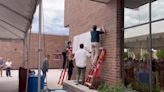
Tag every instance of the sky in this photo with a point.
(54, 16)
(53, 13)
(141, 14)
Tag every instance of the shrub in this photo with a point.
(138, 56)
(114, 88)
(137, 85)
(125, 55)
(96, 83)
(145, 56)
(160, 54)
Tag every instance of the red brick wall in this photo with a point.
(80, 15)
(14, 50)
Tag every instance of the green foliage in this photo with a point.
(146, 55)
(138, 56)
(103, 88)
(125, 55)
(160, 54)
(114, 88)
(137, 85)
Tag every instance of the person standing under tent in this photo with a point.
(8, 65)
(1, 66)
(95, 39)
(81, 62)
(45, 65)
(64, 53)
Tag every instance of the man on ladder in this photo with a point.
(96, 62)
(95, 39)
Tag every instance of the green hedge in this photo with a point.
(160, 54)
(115, 88)
(135, 85)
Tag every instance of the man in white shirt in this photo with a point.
(8, 67)
(81, 62)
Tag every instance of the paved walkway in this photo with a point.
(10, 84)
(72, 86)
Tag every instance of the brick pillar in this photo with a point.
(80, 15)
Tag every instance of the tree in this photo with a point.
(138, 56)
(125, 55)
(160, 54)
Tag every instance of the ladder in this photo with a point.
(93, 72)
(62, 76)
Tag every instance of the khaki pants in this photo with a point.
(95, 52)
(155, 78)
(81, 71)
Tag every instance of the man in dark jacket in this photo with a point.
(45, 65)
(95, 38)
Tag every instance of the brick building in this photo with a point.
(80, 15)
(53, 46)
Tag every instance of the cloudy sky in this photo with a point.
(53, 18)
(141, 14)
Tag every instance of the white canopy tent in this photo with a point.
(128, 3)
(102, 1)
(137, 37)
(16, 18)
(15, 22)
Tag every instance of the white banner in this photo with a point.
(84, 38)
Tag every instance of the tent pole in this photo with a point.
(23, 63)
(28, 57)
(39, 50)
(26, 40)
(150, 48)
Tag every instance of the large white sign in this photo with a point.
(84, 38)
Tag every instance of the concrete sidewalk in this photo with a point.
(72, 86)
(10, 84)
(52, 79)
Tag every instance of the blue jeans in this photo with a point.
(8, 72)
